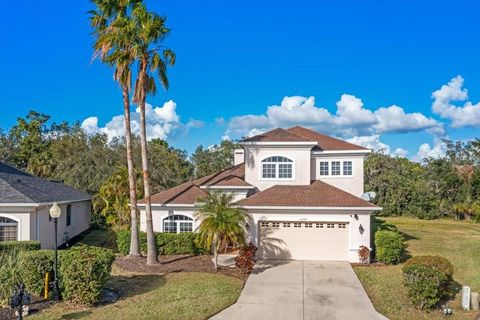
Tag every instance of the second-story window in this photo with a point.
(277, 167)
(347, 168)
(336, 168)
(324, 168)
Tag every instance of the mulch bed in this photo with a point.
(177, 263)
(37, 304)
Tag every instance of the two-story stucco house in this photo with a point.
(300, 189)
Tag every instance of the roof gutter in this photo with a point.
(310, 208)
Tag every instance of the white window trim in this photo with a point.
(15, 223)
(276, 169)
(177, 224)
(330, 175)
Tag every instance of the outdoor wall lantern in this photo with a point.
(360, 228)
(55, 213)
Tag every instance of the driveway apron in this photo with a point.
(285, 289)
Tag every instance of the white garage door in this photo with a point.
(303, 240)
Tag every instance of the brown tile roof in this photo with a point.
(317, 194)
(324, 142)
(301, 134)
(189, 192)
(277, 135)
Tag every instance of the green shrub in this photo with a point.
(10, 277)
(427, 279)
(167, 243)
(34, 266)
(84, 270)
(389, 246)
(20, 245)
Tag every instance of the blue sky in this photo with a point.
(237, 58)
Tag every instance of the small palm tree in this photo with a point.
(221, 222)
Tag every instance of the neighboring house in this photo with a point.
(25, 201)
(301, 190)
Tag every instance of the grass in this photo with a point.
(104, 238)
(457, 241)
(147, 296)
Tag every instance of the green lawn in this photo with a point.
(457, 241)
(146, 296)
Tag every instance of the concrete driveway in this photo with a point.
(282, 289)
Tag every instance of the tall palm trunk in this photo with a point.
(152, 257)
(134, 243)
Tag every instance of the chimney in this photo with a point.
(238, 156)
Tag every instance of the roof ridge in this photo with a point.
(322, 135)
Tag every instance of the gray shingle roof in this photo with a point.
(17, 186)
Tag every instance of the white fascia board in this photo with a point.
(312, 208)
(342, 152)
(168, 205)
(228, 187)
(279, 143)
(40, 204)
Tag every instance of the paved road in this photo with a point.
(281, 289)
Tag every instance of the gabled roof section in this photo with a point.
(317, 194)
(278, 135)
(189, 192)
(300, 134)
(324, 142)
(17, 186)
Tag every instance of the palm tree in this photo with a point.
(152, 59)
(221, 222)
(113, 29)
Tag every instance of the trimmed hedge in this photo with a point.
(167, 243)
(19, 245)
(427, 279)
(389, 246)
(84, 271)
(34, 266)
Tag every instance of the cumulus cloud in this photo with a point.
(426, 151)
(467, 115)
(161, 122)
(350, 119)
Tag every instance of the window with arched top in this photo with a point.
(277, 167)
(8, 229)
(177, 223)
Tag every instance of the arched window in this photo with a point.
(177, 224)
(8, 229)
(277, 167)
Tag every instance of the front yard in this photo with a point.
(457, 241)
(191, 295)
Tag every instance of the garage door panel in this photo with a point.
(303, 241)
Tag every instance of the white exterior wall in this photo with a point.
(33, 222)
(356, 239)
(159, 213)
(300, 155)
(352, 184)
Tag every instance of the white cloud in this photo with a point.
(426, 151)
(371, 142)
(464, 116)
(400, 152)
(351, 118)
(161, 122)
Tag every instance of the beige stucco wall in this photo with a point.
(300, 155)
(33, 222)
(160, 213)
(356, 239)
(352, 184)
